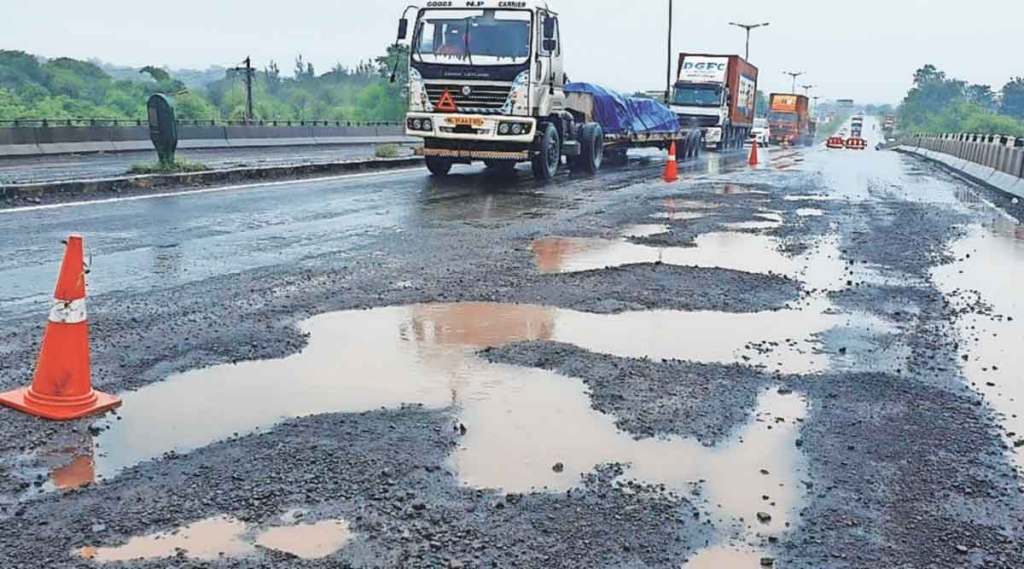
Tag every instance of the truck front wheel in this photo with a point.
(439, 165)
(547, 154)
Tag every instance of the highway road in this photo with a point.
(810, 364)
(39, 169)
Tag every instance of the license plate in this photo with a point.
(465, 121)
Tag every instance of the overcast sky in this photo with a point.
(866, 49)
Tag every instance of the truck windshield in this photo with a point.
(697, 96)
(777, 117)
(473, 37)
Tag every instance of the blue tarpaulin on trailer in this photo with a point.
(619, 114)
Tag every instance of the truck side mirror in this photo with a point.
(549, 28)
(403, 28)
(550, 46)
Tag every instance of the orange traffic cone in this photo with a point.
(62, 387)
(672, 167)
(754, 158)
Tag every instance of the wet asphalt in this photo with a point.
(902, 454)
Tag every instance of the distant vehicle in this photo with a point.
(856, 143)
(790, 121)
(761, 132)
(836, 142)
(716, 93)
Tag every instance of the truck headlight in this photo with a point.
(419, 100)
(518, 102)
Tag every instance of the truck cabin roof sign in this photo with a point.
(704, 69)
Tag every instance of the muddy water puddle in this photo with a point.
(821, 267)
(645, 230)
(761, 221)
(990, 269)
(521, 422)
(226, 537)
(365, 360)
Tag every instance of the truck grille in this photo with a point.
(697, 121)
(483, 99)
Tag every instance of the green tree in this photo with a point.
(1013, 98)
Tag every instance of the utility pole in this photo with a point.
(249, 72)
(749, 27)
(668, 72)
(794, 76)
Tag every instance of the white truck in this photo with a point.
(487, 82)
(716, 94)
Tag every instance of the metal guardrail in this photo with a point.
(90, 122)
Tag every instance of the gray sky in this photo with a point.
(867, 49)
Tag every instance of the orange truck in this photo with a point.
(789, 117)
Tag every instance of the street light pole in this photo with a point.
(668, 72)
(794, 76)
(749, 27)
(807, 89)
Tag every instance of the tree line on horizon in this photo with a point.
(939, 104)
(66, 88)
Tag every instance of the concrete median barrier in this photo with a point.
(992, 160)
(19, 194)
(55, 140)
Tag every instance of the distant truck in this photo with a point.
(789, 118)
(716, 94)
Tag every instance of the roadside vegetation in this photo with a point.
(941, 104)
(64, 88)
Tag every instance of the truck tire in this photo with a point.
(502, 167)
(439, 165)
(547, 153)
(591, 149)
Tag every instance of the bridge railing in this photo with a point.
(1003, 154)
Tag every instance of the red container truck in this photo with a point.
(717, 94)
(789, 117)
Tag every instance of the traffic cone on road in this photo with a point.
(672, 167)
(62, 387)
(755, 159)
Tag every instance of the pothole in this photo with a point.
(821, 267)
(427, 354)
(226, 537)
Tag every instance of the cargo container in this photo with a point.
(717, 94)
(789, 117)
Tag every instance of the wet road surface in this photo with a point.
(38, 169)
(812, 364)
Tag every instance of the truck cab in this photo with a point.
(486, 82)
(716, 94)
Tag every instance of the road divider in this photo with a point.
(52, 140)
(993, 160)
(62, 387)
(19, 194)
